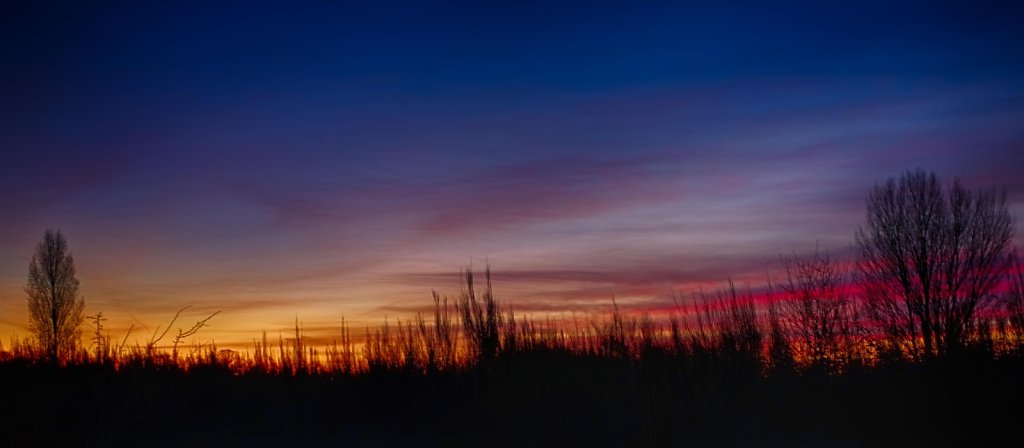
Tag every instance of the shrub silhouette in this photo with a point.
(817, 312)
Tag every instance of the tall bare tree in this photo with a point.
(930, 258)
(54, 306)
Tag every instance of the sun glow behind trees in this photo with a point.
(816, 313)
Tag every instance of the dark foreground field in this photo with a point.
(528, 399)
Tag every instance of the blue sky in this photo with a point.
(316, 160)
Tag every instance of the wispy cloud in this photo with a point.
(320, 177)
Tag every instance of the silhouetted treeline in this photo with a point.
(917, 342)
(720, 370)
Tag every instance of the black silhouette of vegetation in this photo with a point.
(55, 309)
(814, 365)
(819, 320)
(930, 259)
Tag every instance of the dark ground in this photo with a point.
(540, 399)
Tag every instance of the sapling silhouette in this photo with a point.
(98, 338)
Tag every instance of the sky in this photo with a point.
(312, 162)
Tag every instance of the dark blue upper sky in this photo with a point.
(319, 158)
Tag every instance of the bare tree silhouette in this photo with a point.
(817, 310)
(182, 334)
(54, 306)
(930, 258)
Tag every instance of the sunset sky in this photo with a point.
(312, 162)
